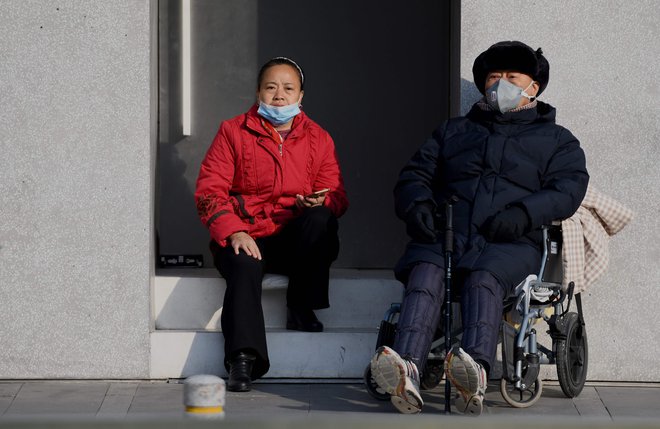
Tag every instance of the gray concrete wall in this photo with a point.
(604, 63)
(75, 188)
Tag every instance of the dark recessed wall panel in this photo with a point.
(377, 78)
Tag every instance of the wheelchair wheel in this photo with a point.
(572, 356)
(372, 388)
(521, 398)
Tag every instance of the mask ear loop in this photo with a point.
(526, 95)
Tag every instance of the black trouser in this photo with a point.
(482, 302)
(302, 250)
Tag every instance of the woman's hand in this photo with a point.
(307, 202)
(242, 240)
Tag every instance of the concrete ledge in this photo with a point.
(192, 300)
(184, 302)
(330, 354)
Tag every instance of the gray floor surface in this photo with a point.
(159, 404)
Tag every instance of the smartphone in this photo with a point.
(317, 194)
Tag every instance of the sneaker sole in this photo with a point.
(383, 372)
(473, 407)
(460, 377)
(460, 374)
(403, 406)
(393, 381)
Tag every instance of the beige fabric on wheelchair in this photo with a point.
(585, 237)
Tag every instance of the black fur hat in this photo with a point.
(511, 55)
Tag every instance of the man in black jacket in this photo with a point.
(511, 169)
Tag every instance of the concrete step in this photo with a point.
(329, 354)
(192, 300)
(187, 338)
(188, 341)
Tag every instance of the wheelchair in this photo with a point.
(538, 297)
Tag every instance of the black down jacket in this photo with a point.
(490, 161)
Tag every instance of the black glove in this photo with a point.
(420, 224)
(507, 226)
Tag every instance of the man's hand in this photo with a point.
(242, 241)
(420, 223)
(507, 225)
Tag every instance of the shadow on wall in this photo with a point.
(177, 205)
(199, 312)
(469, 95)
(190, 306)
(206, 355)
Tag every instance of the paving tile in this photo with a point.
(5, 402)
(117, 400)
(58, 398)
(328, 398)
(157, 398)
(7, 393)
(552, 403)
(271, 400)
(590, 405)
(631, 403)
(9, 389)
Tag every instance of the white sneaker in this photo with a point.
(469, 378)
(398, 377)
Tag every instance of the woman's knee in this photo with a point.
(319, 218)
(231, 264)
(316, 234)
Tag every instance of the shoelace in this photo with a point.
(411, 371)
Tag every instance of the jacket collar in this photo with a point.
(543, 112)
(255, 122)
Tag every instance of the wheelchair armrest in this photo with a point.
(551, 266)
(554, 225)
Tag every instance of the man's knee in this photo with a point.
(481, 282)
(426, 278)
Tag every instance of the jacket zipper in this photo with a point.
(279, 147)
(272, 130)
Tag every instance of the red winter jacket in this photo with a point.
(249, 178)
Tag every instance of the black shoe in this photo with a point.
(302, 320)
(240, 371)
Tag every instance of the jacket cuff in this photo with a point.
(220, 230)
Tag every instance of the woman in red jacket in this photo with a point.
(270, 191)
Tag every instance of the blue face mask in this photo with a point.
(278, 115)
(505, 96)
